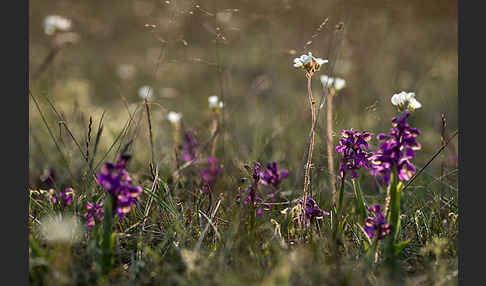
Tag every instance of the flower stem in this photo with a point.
(359, 198)
(311, 145)
(330, 158)
(337, 219)
(214, 129)
(394, 219)
(107, 240)
(150, 131)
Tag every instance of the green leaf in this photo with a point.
(400, 246)
(360, 200)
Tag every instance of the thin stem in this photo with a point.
(336, 221)
(431, 159)
(150, 131)
(47, 61)
(214, 133)
(330, 158)
(311, 146)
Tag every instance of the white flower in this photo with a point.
(303, 60)
(174, 117)
(309, 62)
(339, 84)
(59, 228)
(405, 100)
(214, 102)
(336, 83)
(145, 92)
(54, 23)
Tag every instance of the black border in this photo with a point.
(15, 142)
(471, 117)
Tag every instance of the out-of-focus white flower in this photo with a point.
(190, 259)
(214, 102)
(125, 71)
(145, 92)
(337, 83)
(309, 63)
(61, 229)
(174, 117)
(56, 23)
(405, 100)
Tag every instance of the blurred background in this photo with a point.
(241, 51)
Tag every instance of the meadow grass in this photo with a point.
(250, 188)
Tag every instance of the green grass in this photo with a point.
(166, 237)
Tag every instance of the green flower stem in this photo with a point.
(394, 220)
(337, 218)
(361, 204)
(108, 237)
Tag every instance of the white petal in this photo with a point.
(213, 101)
(320, 61)
(324, 79)
(339, 84)
(395, 99)
(414, 104)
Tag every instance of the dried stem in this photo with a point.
(330, 158)
(311, 145)
(47, 62)
(214, 129)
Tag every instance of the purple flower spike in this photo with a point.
(312, 210)
(51, 196)
(210, 175)
(396, 150)
(256, 172)
(118, 183)
(188, 147)
(272, 176)
(377, 224)
(66, 196)
(93, 215)
(353, 145)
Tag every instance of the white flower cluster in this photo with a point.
(337, 83)
(56, 23)
(214, 102)
(309, 62)
(145, 92)
(405, 100)
(174, 117)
